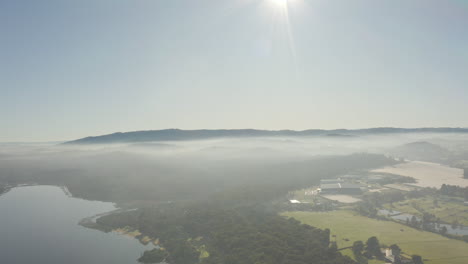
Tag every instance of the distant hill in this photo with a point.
(422, 150)
(178, 134)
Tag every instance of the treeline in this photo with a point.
(454, 191)
(428, 222)
(372, 249)
(371, 202)
(3, 189)
(375, 200)
(238, 234)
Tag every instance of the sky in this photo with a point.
(70, 69)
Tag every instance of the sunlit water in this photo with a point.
(39, 224)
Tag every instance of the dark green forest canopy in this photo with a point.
(239, 225)
(242, 235)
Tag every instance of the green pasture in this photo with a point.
(348, 227)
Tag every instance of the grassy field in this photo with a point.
(349, 227)
(447, 209)
(348, 252)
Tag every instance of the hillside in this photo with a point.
(178, 134)
(422, 150)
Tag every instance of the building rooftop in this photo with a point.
(330, 186)
(350, 185)
(343, 185)
(330, 181)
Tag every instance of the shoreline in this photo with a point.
(90, 222)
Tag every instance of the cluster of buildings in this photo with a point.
(338, 186)
(341, 190)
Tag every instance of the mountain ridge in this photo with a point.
(180, 135)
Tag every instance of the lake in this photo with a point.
(39, 224)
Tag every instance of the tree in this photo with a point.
(417, 259)
(454, 224)
(395, 249)
(358, 247)
(333, 246)
(427, 221)
(414, 221)
(326, 237)
(444, 189)
(373, 247)
(443, 230)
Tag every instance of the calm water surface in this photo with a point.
(39, 224)
(459, 231)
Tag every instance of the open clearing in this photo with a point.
(342, 198)
(427, 174)
(347, 225)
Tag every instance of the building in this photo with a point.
(375, 178)
(389, 255)
(351, 177)
(331, 181)
(340, 188)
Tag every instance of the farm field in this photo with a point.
(447, 209)
(349, 227)
(347, 199)
(427, 174)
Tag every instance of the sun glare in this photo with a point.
(280, 2)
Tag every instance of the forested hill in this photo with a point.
(211, 233)
(178, 134)
(240, 224)
(422, 150)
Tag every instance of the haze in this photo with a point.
(70, 69)
(234, 132)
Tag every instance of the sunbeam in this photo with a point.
(282, 18)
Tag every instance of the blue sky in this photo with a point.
(70, 69)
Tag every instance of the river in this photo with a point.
(39, 224)
(399, 216)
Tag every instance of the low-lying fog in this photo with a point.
(136, 171)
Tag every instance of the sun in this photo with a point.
(282, 3)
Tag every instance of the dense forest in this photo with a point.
(231, 234)
(241, 224)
